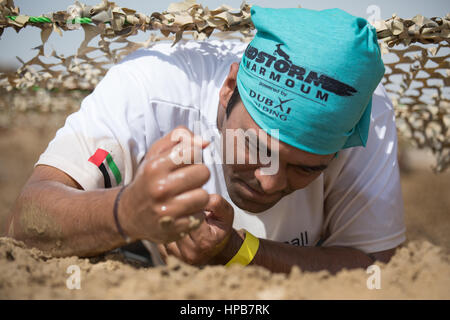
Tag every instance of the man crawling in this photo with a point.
(279, 153)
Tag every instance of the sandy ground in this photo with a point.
(420, 270)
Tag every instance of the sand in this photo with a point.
(420, 270)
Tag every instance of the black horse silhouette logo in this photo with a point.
(282, 54)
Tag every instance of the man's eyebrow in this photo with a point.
(261, 143)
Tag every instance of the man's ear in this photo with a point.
(228, 85)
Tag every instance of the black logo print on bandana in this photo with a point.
(282, 54)
(287, 74)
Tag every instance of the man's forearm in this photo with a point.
(65, 221)
(281, 257)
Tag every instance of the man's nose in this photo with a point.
(272, 183)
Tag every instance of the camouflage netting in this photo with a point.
(416, 54)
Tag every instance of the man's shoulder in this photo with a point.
(184, 73)
(381, 103)
(185, 53)
(382, 135)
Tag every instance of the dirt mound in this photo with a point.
(420, 270)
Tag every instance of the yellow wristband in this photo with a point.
(247, 251)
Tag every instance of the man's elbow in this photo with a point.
(13, 229)
(383, 256)
(24, 222)
(9, 228)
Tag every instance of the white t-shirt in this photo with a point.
(356, 202)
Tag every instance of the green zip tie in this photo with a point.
(48, 20)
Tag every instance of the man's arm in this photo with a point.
(281, 257)
(54, 214)
(162, 203)
(216, 242)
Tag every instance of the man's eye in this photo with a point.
(304, 170)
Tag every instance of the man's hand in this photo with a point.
(202, 244)
(165, 201)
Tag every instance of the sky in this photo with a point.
(13, 44)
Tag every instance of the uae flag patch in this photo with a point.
(104, 161)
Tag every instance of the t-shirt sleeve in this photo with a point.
(363, 200)
(102, 143)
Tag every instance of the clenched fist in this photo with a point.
(165, 200)
(201, 245)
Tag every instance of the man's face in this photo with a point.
(248, 188)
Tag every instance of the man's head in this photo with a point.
(311, 84)
(248, 188)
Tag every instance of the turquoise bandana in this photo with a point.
(311, 74)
